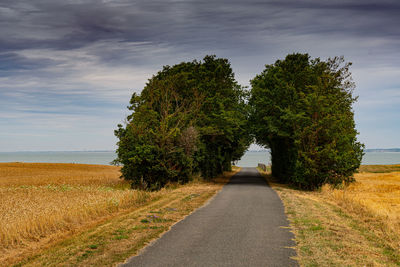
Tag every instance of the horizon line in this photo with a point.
(111, 150)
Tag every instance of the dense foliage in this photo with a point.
(302, 111)
(190, 118)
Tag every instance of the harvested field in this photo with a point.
(358, 225)
(36, 174)
(42, 204)
(379, 168)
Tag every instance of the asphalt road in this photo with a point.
(244, 225)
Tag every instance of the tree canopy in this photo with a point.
(301, 108)
(190, 118)
(194, 117)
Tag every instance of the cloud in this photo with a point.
(62, 59)
(73, 24)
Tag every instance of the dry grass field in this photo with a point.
(358, 225)
(42, 204)
(37, 174)
(377, 193)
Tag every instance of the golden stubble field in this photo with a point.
(357, 225)
(378, 193)
(42, 203)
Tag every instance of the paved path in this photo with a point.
(244, 225)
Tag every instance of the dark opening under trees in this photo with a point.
(302, 110)
(190, 118)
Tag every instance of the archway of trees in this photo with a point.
(194, 117)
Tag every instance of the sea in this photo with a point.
(249, 159)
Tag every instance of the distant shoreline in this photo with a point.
(366, 150)
(58, 151)
(102, 151)
(383, 150)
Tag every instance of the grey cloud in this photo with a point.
(82, 56)
(71, 24)
(10, 61)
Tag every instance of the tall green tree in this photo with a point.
(222, 121)
(158, 142)
(189, 118)
(302, 111)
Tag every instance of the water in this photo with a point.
(381, 158)
(250, 159)
(103, 158)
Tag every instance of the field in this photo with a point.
(79, 215)
(45, 204)
(358, 225)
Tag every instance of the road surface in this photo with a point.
(243, 225)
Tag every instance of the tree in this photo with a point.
(158, 143)
(302, 111)
(189, 118)
(222, 121)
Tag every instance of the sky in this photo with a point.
(68, 68)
